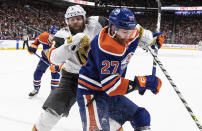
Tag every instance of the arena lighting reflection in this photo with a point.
(137, 12)
(188, 12)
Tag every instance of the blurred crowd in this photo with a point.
(19, 17)
(146, 3)
(188, 29)
(176, 29)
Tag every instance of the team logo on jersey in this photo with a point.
(125, 61)
(82, 52)
(117, 11)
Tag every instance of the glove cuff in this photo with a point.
(141, 84)
(132, 86)
(141, 81)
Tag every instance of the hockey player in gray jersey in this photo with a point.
(70, 49)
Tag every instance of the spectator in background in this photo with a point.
(14, 15)
(25, 39)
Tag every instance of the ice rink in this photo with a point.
(18, 113)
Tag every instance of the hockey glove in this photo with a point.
(150, 82)
(55, 68)
(159, 40)
(32, 49)
(146, 39)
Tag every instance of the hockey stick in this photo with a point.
(39, 56)
(157, 30)
(88, 104)
(42, 59)
(175, 87)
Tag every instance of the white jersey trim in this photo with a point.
(114, 87)
(108, 78)
(90, 80)
(81, 87)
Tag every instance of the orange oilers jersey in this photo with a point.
(106, 65)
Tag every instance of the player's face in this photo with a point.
(123, 35)
(76, 24)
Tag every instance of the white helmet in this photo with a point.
(75, 10)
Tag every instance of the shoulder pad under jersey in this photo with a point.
(43, 38)
(60, 37)
(98, 19)
(63, 33)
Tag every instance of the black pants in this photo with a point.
(64, 96)
(25, 43)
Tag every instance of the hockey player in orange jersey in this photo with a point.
(44, 39)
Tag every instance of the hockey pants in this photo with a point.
(64, 96)
(96, 116)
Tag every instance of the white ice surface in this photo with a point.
(18, 113)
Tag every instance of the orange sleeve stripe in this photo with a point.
(54, 82)
(89, 86)
(111, 83)
(121, 89)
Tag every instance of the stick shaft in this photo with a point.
(158, 25)
(39, 56)
(175, 88)
(42, 59)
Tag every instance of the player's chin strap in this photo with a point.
(115, 32)
(175, 87)
(39, 56)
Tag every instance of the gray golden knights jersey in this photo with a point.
(62, 55)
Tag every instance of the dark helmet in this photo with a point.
(122, 18)
(53, 30)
